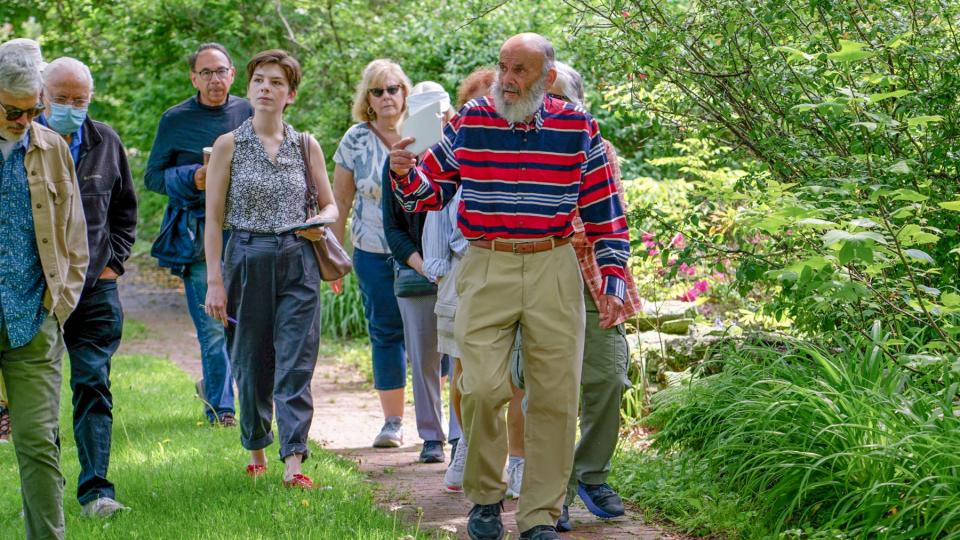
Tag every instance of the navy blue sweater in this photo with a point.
(184, 130)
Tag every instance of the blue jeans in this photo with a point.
(217, 381)
(92, 335)
(375, 277)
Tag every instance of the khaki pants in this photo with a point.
(32, 374)
(543, 294)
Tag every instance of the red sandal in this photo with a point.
(299, 481)
(255, 470)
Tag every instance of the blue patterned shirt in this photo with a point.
(362, 153)
(21, 276)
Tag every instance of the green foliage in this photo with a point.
(341, 315)
(817, 439)
(844, 117)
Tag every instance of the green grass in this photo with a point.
(134, 330)
(185, 479)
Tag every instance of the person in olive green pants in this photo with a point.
(43, 259)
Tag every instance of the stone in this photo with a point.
(655, 314)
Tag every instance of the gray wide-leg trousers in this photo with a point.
(273, 284)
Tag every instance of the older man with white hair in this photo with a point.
(43, 259)
(92, 333)
(527, 164)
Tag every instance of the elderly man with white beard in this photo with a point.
(528, 163)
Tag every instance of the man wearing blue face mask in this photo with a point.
(92, 333)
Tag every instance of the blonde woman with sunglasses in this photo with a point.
(378, 106)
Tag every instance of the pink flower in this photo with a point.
(692, 293)
(647, 237)
(687, 270)
(653, 252)
(649, 244)
(671, 261)
(678, 241)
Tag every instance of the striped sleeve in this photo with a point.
(435, 179)
(603, 216)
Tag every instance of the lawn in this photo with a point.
(185, 479)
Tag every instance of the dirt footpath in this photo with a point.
(346, 421)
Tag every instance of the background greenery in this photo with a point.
(792, 164)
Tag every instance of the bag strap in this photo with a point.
(312, 201)
(379, 135)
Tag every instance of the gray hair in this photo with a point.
(26, 47)
(69, 64)
(571, 82)
(19, 74)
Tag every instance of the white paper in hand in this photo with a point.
(424, 126)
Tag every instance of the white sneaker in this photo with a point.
(102, 507)
(453, 479)
(514, 477)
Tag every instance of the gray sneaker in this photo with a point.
(453, 479)
(514, 477)
(391, 434)
(102, 507)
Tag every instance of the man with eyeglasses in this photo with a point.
(92, 333)
(176, 169)
(43, 259)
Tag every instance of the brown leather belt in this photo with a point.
(520, 247)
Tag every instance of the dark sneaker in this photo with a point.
(540, 532)
(483, 522)
(601, 500)
(432, 452)
(563, 524)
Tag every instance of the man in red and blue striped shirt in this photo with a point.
(527, 164)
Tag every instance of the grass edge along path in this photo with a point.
(185, 479)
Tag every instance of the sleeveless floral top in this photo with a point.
(265, 196)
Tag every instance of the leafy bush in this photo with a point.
(829, 440)
(341, 315)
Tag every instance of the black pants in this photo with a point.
(92, 335)
(273, 291)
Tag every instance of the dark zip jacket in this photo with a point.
(109, 198)
(184, 130)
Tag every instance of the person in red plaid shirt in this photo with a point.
(528, 163)
(605, 357)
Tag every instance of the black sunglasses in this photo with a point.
(392, 90)
(558, 96)
(12, 113)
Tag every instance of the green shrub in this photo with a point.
(842, 439)
(342, 314)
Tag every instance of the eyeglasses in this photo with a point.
(392, 90)
(558, 96)
(12, 113)
(78, 103)
(207, 74)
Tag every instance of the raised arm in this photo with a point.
(429, 185)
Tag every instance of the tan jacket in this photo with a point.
(57, 219)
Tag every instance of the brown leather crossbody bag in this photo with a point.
(331, 257)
